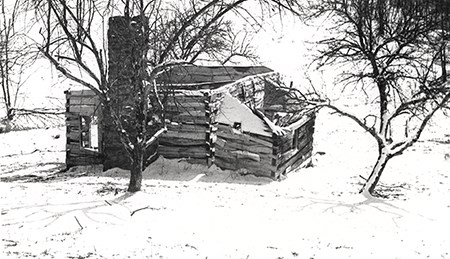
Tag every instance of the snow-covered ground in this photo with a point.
(188, 211)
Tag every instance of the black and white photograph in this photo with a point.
(241, 129)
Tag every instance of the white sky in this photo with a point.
(281, 45)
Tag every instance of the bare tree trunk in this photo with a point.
(377, 170)
(136, 169)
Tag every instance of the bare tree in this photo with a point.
(394, 51)
(16, 55)
(166, 35)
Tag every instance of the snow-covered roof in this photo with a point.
(233, 111)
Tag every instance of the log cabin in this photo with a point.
(238, 118)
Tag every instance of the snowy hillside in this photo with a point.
(187, 211)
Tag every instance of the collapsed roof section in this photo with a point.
(255, 96)
(192, 77)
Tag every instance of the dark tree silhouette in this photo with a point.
(395, 51)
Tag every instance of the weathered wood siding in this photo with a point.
(186, 135)
(290, 153)
(78, 104)
(239, 150)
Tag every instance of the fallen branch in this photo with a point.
(79, 224)
(42, 111)
(144, 208)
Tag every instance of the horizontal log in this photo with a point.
(187, 128)
(185, 150)
(255, 169)
(185, 135)
(242, 159)
(84, 110)
(176, 155)
(80, 93)
(294, 158)
(264, 160)
(244, 138)
(180, 98)
(240, 155)
(73, 123)
(71, 115)
(83, 100)
(183, 108)
(181, 141)
(74, 135)
(252, 146)
(288, 154)
(72, 145)
(76, 161)
(303, 161)
(84, 153)
(188, 118)
(193, 113)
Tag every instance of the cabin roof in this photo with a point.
(207, 77)
(233, 111)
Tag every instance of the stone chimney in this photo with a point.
(123, 52)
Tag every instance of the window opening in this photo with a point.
(237, 125)
(89, 132)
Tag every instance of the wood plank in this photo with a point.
(176, 155)
(183, 109)
(255, 169)
(86, 92)
(242, 155)
(84, 152)
(232, 155)
(235, 158)
(243, 138)
(74, 135)
(288, 154)
(253, 146)
(83, 100)
(73, 145)
(185, 135)
(193, 113)
(298, 156)
(183, 150)
(187, 128)
(73, 123)
(184, 99)
(84, 110)
(181, 141)
(76, 161)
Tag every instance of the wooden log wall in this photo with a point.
(186, 135)
(288, 156)
(236, 150)
(78, 104)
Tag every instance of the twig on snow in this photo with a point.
(78, 222)
(144, 208)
